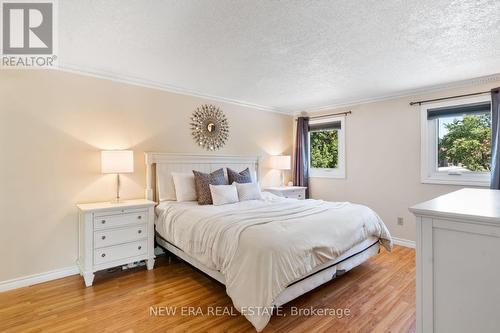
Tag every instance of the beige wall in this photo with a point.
(383, 160)
(52, 127)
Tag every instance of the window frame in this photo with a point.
(429, 173)
(340, 171)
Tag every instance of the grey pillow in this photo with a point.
(202, 182)
(239, 177)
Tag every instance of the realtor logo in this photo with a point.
(28, 29)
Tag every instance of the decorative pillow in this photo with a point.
(223, 194)
(248, 191)
(239, 177)
(184, 186)
(202, 182)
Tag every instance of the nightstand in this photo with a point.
(114, 234)
(293, 192)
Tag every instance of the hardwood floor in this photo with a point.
(380, 295)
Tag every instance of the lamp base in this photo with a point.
(117, 199)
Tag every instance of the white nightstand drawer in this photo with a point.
(291, 192)
(295, 194)
(111, 221)
(110, 237)
(118, 252)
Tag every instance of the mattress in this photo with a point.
(161, 225)
(264, 247)
(358, 248)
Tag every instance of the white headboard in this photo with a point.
(166, 163)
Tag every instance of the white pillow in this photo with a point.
(248, 191)
(164, 183)
(223, 194)
(184, 186)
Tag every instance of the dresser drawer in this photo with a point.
(108, 237)
(108, 254)
(288, 192)
(111, 221)
(294, 194)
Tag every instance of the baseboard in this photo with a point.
(37, 278)
(403, 242)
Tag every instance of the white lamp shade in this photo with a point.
(281, 162)
(117, 161)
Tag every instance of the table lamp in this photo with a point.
(281, 162)
(117, 161)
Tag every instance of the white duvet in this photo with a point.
(261, 246)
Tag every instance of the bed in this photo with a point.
(266, 252)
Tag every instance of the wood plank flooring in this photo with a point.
(380, 295)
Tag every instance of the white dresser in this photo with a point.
(113, 234)
(458, 262)
(293, 192)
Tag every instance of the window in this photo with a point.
(327, 147)
(456, 142)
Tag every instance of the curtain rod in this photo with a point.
(450, 97)
(329, 115)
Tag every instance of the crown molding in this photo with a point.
(289, 112)
(161, 86)
(405, 93)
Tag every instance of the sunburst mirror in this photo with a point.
(210, 127)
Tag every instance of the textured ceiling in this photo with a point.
(283, 55)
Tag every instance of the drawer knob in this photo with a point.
(139, 231)
(103, 221)
(103, 237)
(139, 217)
(140, 247)
(103, 255)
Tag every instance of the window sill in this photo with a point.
(331, 177)
(327, 173)
(457, 180)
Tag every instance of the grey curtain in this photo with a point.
(495, 138)
(301, 161)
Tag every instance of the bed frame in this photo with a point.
(164, 163)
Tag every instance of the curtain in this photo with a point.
(495, 139)
(301, 161)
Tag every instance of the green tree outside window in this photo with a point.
(467, 143)
(324, 149)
